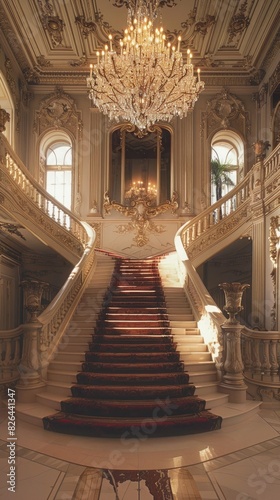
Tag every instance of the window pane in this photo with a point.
(59, 185)
(59, 154)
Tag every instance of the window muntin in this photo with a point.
(59, 173)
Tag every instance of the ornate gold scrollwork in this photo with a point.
(141, 210)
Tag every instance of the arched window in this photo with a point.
(227, 162)
(59, 173)
(140, 164)
(57, 167)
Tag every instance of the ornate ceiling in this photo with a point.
(54, 41)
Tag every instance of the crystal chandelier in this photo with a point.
(145, 80)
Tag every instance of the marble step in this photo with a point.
(232, 413)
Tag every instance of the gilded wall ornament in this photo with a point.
(58, 110)
(140, 210)
(225, 110)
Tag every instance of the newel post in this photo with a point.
(30, 366)
(233, 379)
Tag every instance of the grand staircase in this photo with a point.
(132, 360)
(132, 375)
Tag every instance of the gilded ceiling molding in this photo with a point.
(239, 22)
(51, 23)
(190, 27)
(130, 4)
(58, 110)
(16, 48)
(43, 62)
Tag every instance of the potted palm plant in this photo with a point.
(220, 176)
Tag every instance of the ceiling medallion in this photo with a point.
(144, 80)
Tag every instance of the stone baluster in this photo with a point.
(256, 357)
(233, 379)
(265, 366)
(273, 357)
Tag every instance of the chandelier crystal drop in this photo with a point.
(146, 80)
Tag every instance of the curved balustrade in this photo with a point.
(261, 356)
(196, 241)
(33, 207)
(57, 315)
(209, 317)
(10, 354)
(27, 202)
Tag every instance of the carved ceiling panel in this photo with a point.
(53, 41)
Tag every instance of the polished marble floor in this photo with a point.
(239, 462)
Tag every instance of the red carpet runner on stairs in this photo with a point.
(132, 381)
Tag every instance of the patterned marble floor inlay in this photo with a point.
(246, 472)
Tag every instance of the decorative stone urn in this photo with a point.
(233, 295)
(33, 291)
(233, 378)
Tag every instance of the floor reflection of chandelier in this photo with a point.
(145, 80)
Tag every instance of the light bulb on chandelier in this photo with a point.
(146, 80)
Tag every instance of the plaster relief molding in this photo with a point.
(225, 110)
(239, 23)
(191, 27)
(140, 211)
(58, 110)
(218, 232)
(10, 35)
(51, 23)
